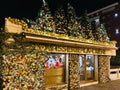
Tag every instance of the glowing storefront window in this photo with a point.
(55, 61)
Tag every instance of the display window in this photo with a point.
(55, 61)
(55, 69)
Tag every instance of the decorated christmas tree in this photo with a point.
(44, 19)
(85, 22)
(103, 34)
(94, 28)
(71, 13)
(60, 21)
(72, 23)
(74, 27)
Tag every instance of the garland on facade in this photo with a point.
(23, 71)
(9, 43)
(21, 63)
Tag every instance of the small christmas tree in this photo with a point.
(72, 23)
(71, 13)
(85, 22)
(60, 21)
(74, 27)
(94, 28)
(44, 19)
(103, 33)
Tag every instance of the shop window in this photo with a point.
(55, 61)
(55, 69)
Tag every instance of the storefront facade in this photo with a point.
(48, 60)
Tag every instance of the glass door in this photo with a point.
(90, 67)
(82, 67)
(87, 67)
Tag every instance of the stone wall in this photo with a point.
(104, 66)
(74, 78)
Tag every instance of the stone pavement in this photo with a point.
(112, 85)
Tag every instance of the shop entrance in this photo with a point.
(88, 68)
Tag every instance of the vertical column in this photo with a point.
(104, 66)
(74, 72)
(96, 67)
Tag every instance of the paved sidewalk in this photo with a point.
(112, 85)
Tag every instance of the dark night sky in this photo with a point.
(29, 8)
